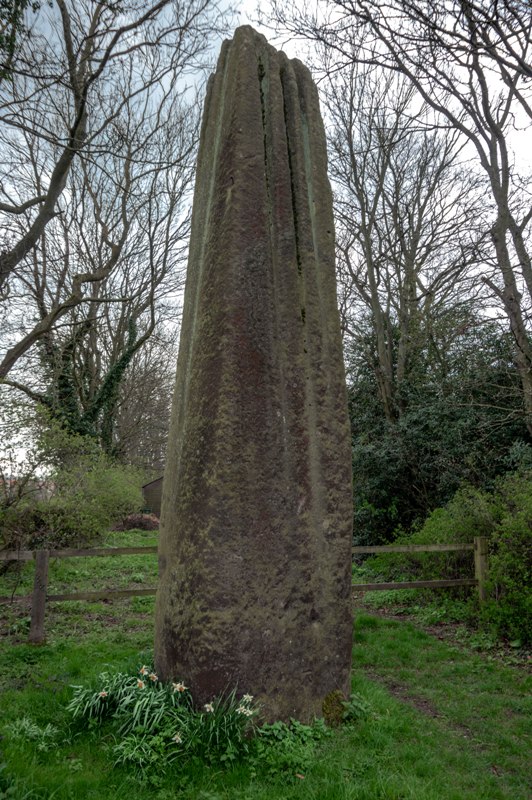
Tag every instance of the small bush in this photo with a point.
(88, 492)
(356, 708)
(139, 522)
(96, 492)
(286, 748)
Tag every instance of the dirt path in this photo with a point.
(456, 634)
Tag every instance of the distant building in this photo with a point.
(152, 496)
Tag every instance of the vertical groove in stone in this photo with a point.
(256, 521)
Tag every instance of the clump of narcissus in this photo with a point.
(333, 708)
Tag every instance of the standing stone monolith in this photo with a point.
(255, 539)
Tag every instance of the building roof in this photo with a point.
(155, 480)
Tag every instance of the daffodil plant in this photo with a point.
(156, 723)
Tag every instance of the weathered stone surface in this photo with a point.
(256, 512)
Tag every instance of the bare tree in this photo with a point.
(143, 408)
(98, 132)
(124, 223)
(61, 81)
(469, 60)
(406, 208)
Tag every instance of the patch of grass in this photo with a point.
(440, 724)
(428, 606)
(483, 705)
(432, 721)
(453, 618)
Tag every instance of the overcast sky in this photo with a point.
(248, 15)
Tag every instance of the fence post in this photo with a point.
(38, 600)
(481, 565)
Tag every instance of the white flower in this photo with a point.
(209, 707)
(140, 684)
(103, 694)
(247, 712)
(177, 738)
(179, 687)
(153, 677)
(248, 698)
(143, 670)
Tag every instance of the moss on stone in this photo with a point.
(333, 708)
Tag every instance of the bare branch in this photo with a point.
(20, 209)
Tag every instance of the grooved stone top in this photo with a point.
(255, 535)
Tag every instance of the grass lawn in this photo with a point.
(443, 723)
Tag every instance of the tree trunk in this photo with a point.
(511, 299)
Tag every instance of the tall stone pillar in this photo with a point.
(255, 539)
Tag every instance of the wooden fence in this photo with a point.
(479, 547)
(40, 595)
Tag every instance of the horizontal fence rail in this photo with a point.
(40, 595)
(29, 555)
(445, 584)
(411, 548)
